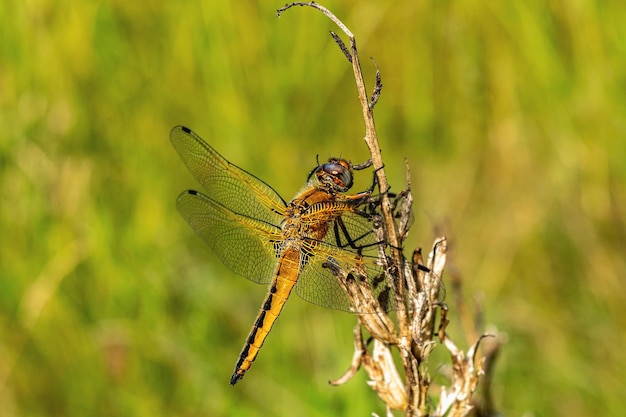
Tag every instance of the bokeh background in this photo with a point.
(511, 115)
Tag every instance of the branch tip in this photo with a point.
(342, 46)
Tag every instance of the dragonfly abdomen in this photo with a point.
(287, 272)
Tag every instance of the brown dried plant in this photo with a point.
(417, 289)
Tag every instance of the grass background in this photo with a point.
(511, 115)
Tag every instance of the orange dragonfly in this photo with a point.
(260, 236)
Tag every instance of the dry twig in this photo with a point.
(416, 288)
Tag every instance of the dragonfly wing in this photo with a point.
(349, 237)
(246, 245)
(235, 188)
(318, 285)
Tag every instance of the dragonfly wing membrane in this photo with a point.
(244, 244)
(319, 285)
(225, 182)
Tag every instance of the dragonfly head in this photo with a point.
(335, 174)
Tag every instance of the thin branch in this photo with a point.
(416, 287)
(322, 9)
(342, 46)
(357, 358)
(378, 86)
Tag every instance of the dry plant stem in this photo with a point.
(415, 288)
(371, 139)
(391, 231)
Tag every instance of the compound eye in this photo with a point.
(336, 173)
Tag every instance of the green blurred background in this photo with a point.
(511, 115)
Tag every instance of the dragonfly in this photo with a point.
(262, 237)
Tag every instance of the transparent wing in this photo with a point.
(348, 237)
(318, 285)
(226, 183)
(245, 244)
(349, 243)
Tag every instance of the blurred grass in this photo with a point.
(511, 115)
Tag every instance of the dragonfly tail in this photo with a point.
(287, 273)
(236, 376)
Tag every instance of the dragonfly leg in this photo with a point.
(339, 229)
